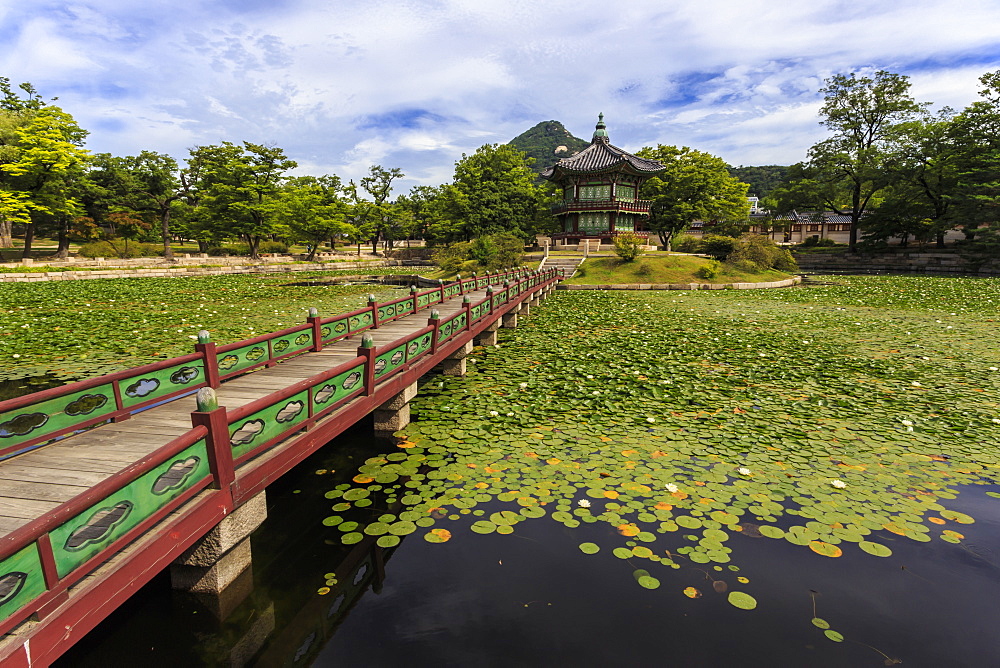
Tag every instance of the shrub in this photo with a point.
(814, 240)
(628, 245)
(755, 253)
(686, 243)
(488, 252)
(643, 269)
(117, 248)
(450, 258)
(709, 271)
(719, 247)
(223, 251)
(785, 261)
(272, 247)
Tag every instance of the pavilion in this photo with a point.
(600, 187)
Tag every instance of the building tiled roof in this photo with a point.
(601, 156)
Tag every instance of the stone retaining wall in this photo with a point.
(946, 263)
(795, 280)
(170, 271)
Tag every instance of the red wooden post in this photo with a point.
(435, 322)
(413, 296)
(467, 304)
(317, 329)
(461, 286)
(489, 295)
(367, 350)
(206, 347)
(373, 305)
(120, 413)
(220, 452)
(440, 290)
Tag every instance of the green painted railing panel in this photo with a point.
(148, 386)
(334, 330)
(262, 426)
(84, 536)
(393, 359)
(331, 391)
(21, 580)
(53, 415)
(418, 346)
(241, 358)
(448, 329)
(423, 300)
(390, 311)
(452, 290)
(359, 322)
(500, 298)
(291, 343)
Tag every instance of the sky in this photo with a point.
(344, 84)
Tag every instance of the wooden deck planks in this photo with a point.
(37, 482)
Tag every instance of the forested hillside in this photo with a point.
(762, 179)
(547, 142)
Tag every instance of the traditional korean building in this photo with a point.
(600, 187)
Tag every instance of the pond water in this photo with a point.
(533, 599)
(801, 477)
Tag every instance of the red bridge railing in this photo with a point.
(42, 559)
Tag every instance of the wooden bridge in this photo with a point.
(107, 481)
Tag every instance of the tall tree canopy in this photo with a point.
(864, 114)
(236, 187)
(695, 186)
(495, 192)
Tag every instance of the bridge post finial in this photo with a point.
(207, 400)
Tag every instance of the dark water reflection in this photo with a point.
(533, 599)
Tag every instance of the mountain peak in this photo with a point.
(548, 142)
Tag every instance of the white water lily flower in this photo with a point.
(915, 384)
(649, 419)
(583, 503)
(743, 470)
(993, 368)
(839, 484)
(510, 415)
(995, 420)
(494, 413)
(671, 487)
(522, 385)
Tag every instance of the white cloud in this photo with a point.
(416, 83)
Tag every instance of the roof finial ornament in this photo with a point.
(601, 130)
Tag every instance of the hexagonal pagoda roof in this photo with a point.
(602, 157)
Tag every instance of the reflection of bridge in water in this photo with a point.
(105, 482)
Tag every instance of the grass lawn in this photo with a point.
(661, 269)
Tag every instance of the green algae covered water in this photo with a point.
(795, 477)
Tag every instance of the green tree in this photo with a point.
(495, 192)
(49, 167)
(378, 211)
(312, 208)
(919, 203)
(695, 186)
(854, 164)
(235, 187)
(976, 135)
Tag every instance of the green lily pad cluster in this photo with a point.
(688, 425)
(79, 329)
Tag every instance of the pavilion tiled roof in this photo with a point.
(602, 156)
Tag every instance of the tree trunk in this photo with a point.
(6, 234)
(29, 237)
(62, 252)
(940, 239)
(168, 252)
